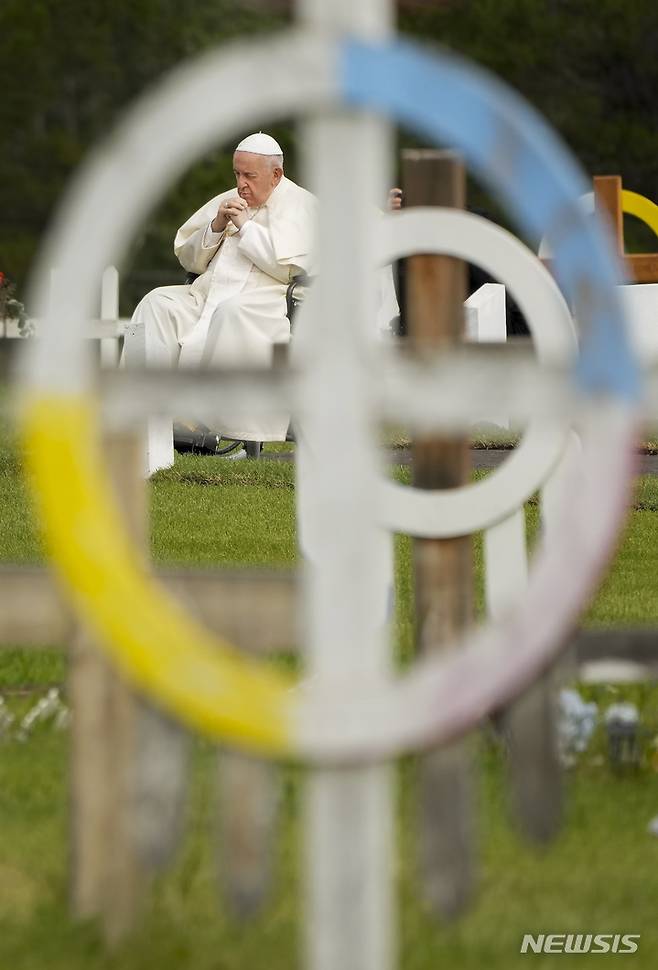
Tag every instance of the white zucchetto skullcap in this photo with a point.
(260, 144)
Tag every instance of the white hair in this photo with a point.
(275, 161)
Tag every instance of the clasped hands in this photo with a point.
(233, 210)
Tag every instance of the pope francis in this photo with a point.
(245, 245)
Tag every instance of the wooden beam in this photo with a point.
(642, 267)
(33, 612)
(636, 644)
(435, 292)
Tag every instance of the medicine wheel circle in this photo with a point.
(164, 651)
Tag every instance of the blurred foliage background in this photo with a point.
(69, 67)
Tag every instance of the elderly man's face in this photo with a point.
(255, 177)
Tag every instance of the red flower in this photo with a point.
(2, 279)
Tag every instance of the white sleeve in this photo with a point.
(199, 248)
(211, 239)
(256, 245)
(190, 243)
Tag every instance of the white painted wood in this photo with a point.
(375, 18)
(485, 322)
(158, 429)
(54, 277)
(533, 767)
(485, 314)
(553, 490)
(505, 564)
(95, 329)
(641, 304)
(614, 672)
(110, 311)
(159, 452)
(348, 871)
(349, 812)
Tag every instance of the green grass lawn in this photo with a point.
(601, 874)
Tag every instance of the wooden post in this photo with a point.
(436, 289)
(248, 796)
(90, 792)
(158, 790)
(106, 874)
(535, 773)
(607, 195)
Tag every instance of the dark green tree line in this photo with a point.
(589, 66)
(68, 68)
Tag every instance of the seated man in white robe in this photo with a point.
(246, 245)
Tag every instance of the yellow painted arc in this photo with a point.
(642, 208)
(202, 679)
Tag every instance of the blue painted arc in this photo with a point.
(512, 149)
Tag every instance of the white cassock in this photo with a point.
(235, 311)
